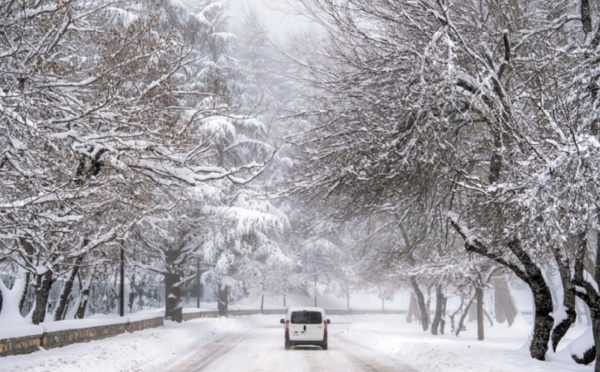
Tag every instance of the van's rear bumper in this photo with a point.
(305, 342)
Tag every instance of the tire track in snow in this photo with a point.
(361, 359)
(208, 353)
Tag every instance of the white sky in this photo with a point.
(278, 15)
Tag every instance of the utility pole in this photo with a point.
(315, 290)
(199, 290)
(122, 284)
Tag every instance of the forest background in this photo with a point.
(450, 147)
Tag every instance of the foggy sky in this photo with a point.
(278, 16)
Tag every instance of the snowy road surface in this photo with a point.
(260, 349)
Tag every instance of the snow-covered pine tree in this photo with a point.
(99, 117)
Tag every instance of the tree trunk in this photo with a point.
(61, 308)
(262, 303)
(589, 294)
(421, 303)
(44, 283)
(29, 250)
(223, 300)
(593, 353)
(461, 322)
(24, 297)
(543, 318)
(564, 269)
(531, 275)
(413, 309)
(504, 304)
(561, 329)
(439, 307)
(84, 294)
(596, 330)
(443, 320)
(173, 308)
(132, 293)
(542, 298)
(11, 309)
(453, 315)
(479, 295)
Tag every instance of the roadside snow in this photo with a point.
(127, 352)
(504, 349)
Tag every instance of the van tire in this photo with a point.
(288, 344)
(324, 346)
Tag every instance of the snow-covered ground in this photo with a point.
(504, 349)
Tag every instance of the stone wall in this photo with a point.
(20, 345)
(50, 340)
(363, 312)
(71, 336)
(145, 324)
(215, 314)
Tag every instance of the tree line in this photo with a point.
(140, 144)
(466, 134)
(125, 134)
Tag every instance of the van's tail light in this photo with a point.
(325, 325)
(287, 325)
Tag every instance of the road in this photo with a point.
(261, 349)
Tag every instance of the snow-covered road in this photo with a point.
(260, 349)
(255, 343)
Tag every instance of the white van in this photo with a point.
(305, 326)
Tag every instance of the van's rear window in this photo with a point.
(306, 317)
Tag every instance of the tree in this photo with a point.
(101, 112)
(468, 106)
